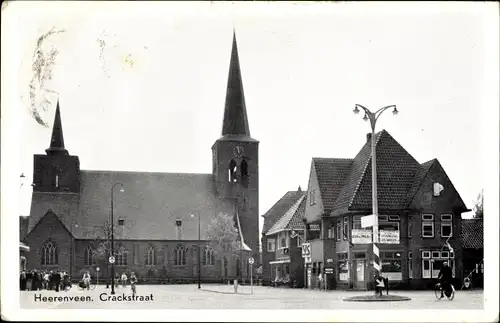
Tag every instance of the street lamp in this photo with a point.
(113, 236)
(373, 117)
(199, 247)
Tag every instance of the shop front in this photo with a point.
(280, 271)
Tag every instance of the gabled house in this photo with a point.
(269, 243)
(284, 241)
(472, 236)
(419, 209)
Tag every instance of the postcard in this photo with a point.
(252, 161)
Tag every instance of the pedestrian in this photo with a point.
(29, 280)
(22, 280)
(57, 280)
(46, 280)
(124, 280)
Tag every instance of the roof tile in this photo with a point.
(150, 205)
(332, 174)
(395, 173)
(284, 221)
(472, 234)
(279, 208)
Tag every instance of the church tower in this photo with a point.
(235, 157)
(57, 171)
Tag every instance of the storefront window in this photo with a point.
(432, 261)
(356, 222)
(391, 265)
(343, 271)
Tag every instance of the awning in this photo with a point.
(23, 247)
(279, 262)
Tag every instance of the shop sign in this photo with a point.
(360, 236)
(389, 236)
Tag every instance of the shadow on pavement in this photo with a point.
(220, 292)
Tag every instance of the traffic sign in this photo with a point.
(111, 260)
(251, 261)
(97, 269)
(306, 249)
(368, 221)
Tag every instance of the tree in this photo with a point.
(222, 234)
(478, 206)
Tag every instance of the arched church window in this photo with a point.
(151, 256)
(49, 253)
(89, 256)
(244, 171)
(180, 255)
(208, 256)
(121, 256)
(232, 171)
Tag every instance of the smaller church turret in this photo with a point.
(57, 171)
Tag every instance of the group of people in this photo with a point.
(33, 280)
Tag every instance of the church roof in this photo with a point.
(149, 206)
(292, 218)
(57, 138)
(235, 123)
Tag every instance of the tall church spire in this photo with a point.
(235, 113)
(57, 139)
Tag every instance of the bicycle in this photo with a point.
(438, 289)
(132, 286)
(82, 286)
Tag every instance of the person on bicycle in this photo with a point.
(133, 281)
(445, 276)
(86, 279)
(124, 280)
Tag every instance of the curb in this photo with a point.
(373, 298)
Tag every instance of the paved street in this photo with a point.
(223, 297)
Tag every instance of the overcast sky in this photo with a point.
(142, 88)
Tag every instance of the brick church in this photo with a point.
(155, 214)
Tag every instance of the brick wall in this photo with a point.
(49, 227)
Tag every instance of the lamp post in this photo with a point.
(113, 236)
(197, 214)
(373, 117)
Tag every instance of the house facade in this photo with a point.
(279, 249)
(472, 236)
(160, 219)
(284, 246)
(419, 213)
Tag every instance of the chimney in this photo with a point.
(368, 136)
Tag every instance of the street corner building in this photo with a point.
(159, 219)
(282, 238)
(419, 220)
